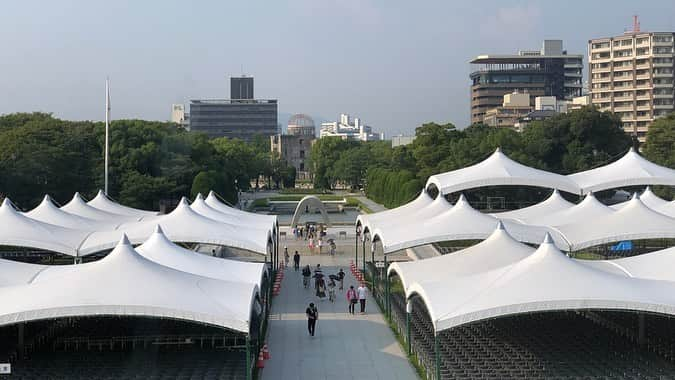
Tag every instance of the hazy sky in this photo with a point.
(395, 64)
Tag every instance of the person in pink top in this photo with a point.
(352, 298)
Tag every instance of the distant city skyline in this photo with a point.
(395, 64)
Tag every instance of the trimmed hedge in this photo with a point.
(391, 188)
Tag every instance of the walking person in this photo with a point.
(306, 274)
(320, 244)
(341, 278)
(331, 290)
(362, 291)
(312, 316)
(286, 257)
(352, 299)
(296, 261)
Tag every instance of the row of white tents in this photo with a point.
(156, 279)
(81, 228)
(499, 170)
(501, 276)
(572, 226)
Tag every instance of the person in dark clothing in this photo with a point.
(312, 315)
(296, 261)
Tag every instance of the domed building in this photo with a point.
(295, 146)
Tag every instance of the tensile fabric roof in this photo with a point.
(181, 225)
(630, 170)
(162, 251)
(499, 170)
(588, 209)
(544, 280)
(550, 205)
(264, 227)
(77, 206)
(422, 201)
(125, 283)
(102, 202)
(47, 212)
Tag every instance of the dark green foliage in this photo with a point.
(660, 148)
(149, 161)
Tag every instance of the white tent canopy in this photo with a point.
(127, 284)
(432, 209)
(657, 265)
(162, 251)
(654, 202)
(589, 209)
(546, 280)
(251, 224)
(551, 205)
(422, 201)
(632, 222)
(213, 202)
(16, 273)
(630, 170)
(47, 212)
(77, 206)
(181, 225)
(102, 202)
(19, 230)
(499, 170)
(460, 222)
(498, 250)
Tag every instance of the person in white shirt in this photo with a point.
(362, 292)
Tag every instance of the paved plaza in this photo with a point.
(345, 346)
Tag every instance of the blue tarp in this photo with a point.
(626, 245)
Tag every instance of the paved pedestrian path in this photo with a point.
(345, 346)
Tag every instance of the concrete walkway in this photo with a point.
(374, 207)
(345, 346)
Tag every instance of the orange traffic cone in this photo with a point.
(261, 360)
(266, 352)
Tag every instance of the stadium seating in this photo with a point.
(552, 345)
(101, 348)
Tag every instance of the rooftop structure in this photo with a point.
(547, 72)
(349, 129)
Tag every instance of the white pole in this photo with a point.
(107, 126)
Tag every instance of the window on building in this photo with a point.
(302, 154)
(300, 141)
(302, 166)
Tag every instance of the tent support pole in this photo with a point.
(364, 254)
(249, 375)
(437, 354)
(408, 311)
(386, 290)
(356, 250)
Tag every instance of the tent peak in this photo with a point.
(500, 225)
(547, 239)
(124, 240)
(183, 201)
(635, 196)
(7, 203)
(199, 197)
(100, 193)
(158, 230)
(498, 150)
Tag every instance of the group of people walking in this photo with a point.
(354, 296)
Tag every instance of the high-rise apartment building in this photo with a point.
(632, 75)
(546, 72)
(241, 117)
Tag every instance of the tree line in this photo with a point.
(149, 161)
(567, 143)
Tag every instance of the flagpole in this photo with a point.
(107, 126)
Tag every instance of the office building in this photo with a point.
(632, 75)
(546, 72)
(295, 146)
(242, 118)
(349, 129)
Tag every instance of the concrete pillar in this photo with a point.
(249, 369)
(437, 355)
